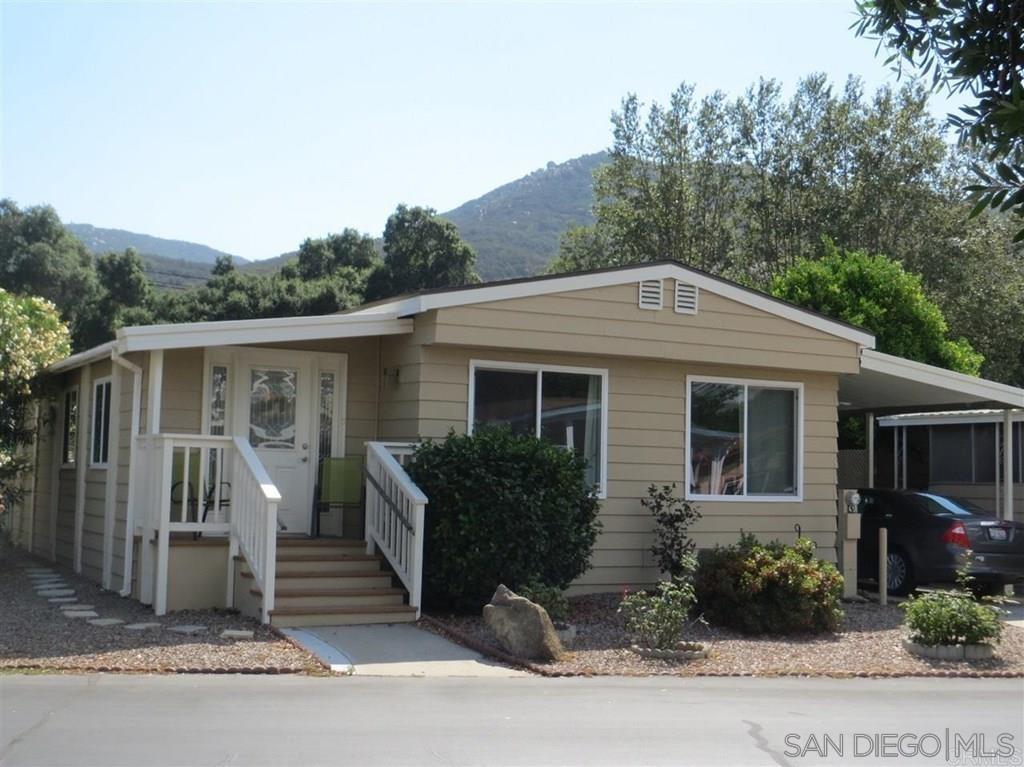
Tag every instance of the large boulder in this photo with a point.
(523, 628)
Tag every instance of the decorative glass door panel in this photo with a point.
(272, 408)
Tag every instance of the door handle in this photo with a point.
(305, 459)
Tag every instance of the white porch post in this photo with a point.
(149, 561)
(156, 385)
(1008, 465)
(896, 457)
(869, 426)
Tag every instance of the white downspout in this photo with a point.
(129, 517)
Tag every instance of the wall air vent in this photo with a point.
(686, 298)
(650, 294)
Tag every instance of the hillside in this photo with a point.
(515, 229)
(100, 240)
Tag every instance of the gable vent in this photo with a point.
(650, 294)
(686, 298)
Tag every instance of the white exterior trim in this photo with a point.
(929, 375)
(950, 417)
(796, 386)
(404, 307)
(94, 354)
(530, 367)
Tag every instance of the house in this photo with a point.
(179, 464)
(960, 453)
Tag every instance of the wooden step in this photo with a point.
(337, 616)
(349, 543)
(334, 597)
(364, 579)
(289, 563)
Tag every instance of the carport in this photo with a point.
(888, 385)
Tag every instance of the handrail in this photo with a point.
(254, 520)
(395, 517)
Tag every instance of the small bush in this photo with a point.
(950, 618)
(503, 508)
(769, 588)
(551, 598)
(673, 516)
(658, 620)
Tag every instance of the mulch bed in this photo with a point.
(35, 635)
(870, 644)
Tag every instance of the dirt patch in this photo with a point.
(870, 643)
(35, 634)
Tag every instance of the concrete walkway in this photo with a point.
(395, 650)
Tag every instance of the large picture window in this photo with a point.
(566, 406)
(100, 423)
(743, 439)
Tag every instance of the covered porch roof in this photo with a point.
(889, 384)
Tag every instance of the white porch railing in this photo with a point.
(210, 485)
(395, 516)
(254, 520)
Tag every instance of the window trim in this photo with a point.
(539, 369)
(796, 386)
(64, 464)
(97, 384)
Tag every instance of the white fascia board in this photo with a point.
(947, 418)
(83, 358)
(978, 389)
(424, 303)
(241, 332)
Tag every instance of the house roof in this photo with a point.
(427, 300)
(986, 415)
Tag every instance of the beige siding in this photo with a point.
(48, 435)
(65, 527)
(646, 438)
(607, 322)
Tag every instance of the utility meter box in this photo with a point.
(849, 535)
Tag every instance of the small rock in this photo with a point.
(522, 627)
(188, 630)
(63, 600)
(81, 614)
(140, 626)
(236, 634)
(57, 593)
(106, 621)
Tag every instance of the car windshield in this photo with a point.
(940, 504)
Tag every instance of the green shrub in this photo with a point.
(551, 598)
(673, 517)
(950, 618)
(658, 620)
(769, 588)
(503, 508)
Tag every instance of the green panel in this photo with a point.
(341, 480)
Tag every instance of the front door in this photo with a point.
(275, 415)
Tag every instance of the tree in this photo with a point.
(39, 257)
(876, 293)
(969, 47)
(32, 337)
(323, 257)
(421, 251)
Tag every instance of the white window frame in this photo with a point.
(795, 386)
(64, 464)
(540, 369)
(94, 463)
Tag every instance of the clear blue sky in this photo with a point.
(250, 127)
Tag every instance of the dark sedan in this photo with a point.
(928, 535)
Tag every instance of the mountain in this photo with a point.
(515, 229)
(99, 240)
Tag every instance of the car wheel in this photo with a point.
(900, 575)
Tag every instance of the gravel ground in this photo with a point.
(869, 644)
(35, 634)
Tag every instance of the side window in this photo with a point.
(69, 443)
(100, 423)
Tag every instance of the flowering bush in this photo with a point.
(769, 588)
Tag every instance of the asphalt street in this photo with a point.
(244, 720)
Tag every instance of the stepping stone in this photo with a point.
(45, 585)
(106, 622)
(188, 630)
(77, 607)
(141, 626)
(56, 593)
(236, 634)
(35, 577)
(63, 600)
(35, 571)
(81, 614)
